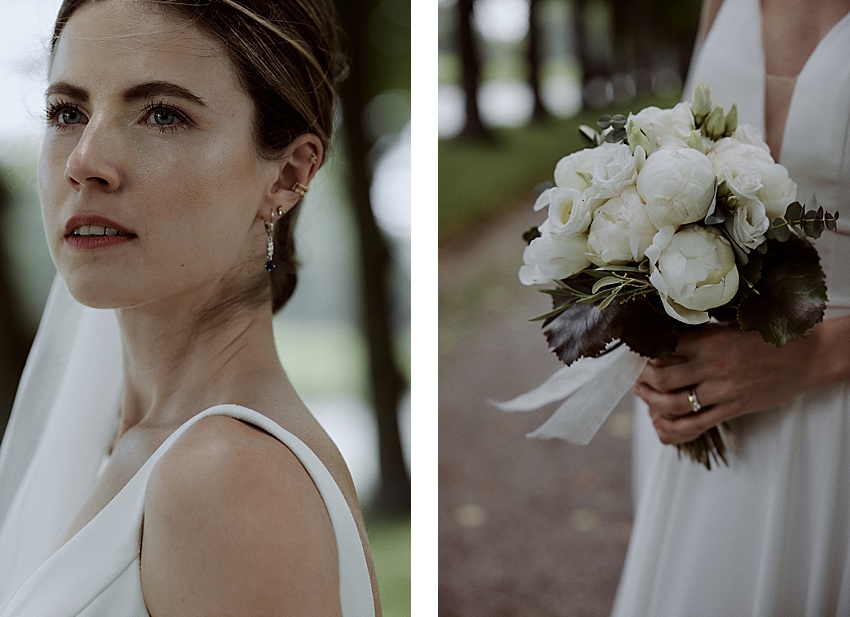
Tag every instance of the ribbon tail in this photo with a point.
(589, 389)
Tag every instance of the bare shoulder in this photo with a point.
(234, 525)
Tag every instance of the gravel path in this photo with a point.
(527, 527)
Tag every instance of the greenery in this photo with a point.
(479, 179)
(390, 541)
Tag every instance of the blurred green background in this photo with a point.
(345, 337)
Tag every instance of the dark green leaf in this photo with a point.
(618, 121)
(582, 330)
(531, 234)
(647, 329)
(604, 122)
(778, 230)
(791, 294)
(794, 211)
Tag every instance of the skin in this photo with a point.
(185, 178)
(737, 373)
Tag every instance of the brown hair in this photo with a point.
(286, 56)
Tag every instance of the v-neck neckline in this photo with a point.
(778, 156)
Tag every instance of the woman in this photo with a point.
(770, 534)
(158, 461)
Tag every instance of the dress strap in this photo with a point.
(86, 565)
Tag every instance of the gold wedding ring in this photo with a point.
(693, 400)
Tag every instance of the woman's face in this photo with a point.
(150, 185)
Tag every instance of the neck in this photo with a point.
(174, 369)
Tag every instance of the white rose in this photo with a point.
(743, 181)
(621, 230)
(677, 185)
(614, 170)
(693, 270)
(665, 127)
(553, 257)
(569, 212)
(749, 224)
(568, 168)
(777, 190)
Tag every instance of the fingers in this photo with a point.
(686, 428)
(671, 377)
(671, 404)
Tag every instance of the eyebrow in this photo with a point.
(146, 90)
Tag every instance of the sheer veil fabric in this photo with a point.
(770, 535)
(63, 422)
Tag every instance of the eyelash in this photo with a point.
(57, 107)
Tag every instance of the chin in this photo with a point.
(98, 292)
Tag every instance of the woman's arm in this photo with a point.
(235, 526)
(736, 373)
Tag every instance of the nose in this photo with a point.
(93, 164)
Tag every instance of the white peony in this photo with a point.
(748, 134)
(693, 270)
(677, 185)
(665, 127)
(553, 257)
(749, 224)
(621, 230)
(777, 190)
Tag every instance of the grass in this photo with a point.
(479, 179)
(390, 541)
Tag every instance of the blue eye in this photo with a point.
(164, 117)
(62, 115)
(70, 116)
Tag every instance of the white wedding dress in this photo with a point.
(769, 536)
(62, 424)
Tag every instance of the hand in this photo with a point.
(733, 373)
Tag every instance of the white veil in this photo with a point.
(63, 420)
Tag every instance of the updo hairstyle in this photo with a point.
(286, 56)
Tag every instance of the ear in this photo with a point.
(295, 170)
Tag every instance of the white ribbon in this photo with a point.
(589, 388)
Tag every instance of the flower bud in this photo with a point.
(715, 123)
(702, 102)
(731, 121)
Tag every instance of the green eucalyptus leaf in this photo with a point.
(794, 211)
(618, 121)
(778, 230)
(604, 122)
(790, 297)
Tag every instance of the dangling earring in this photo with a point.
(270, 243)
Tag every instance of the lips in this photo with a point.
(93, 225)
(95, 232)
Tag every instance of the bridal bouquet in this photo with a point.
(674, 217)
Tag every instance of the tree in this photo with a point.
(470, 72)
(535, 60)
(387, 384)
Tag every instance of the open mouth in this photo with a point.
(87, 231)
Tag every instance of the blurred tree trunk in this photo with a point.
(470, 72)
(386, 382)
(580, 34)
(15, 336)
(535, 60)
